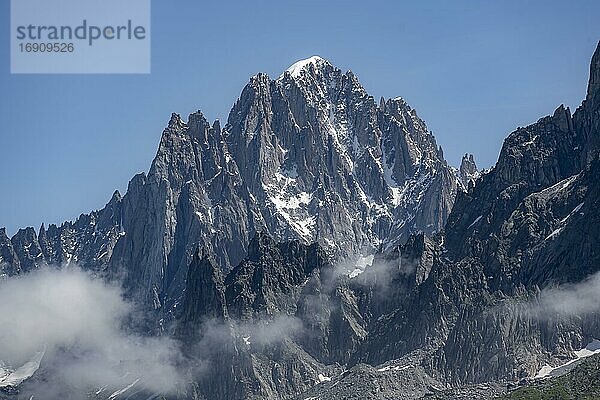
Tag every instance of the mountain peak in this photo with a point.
(468, 172)
(296, 69)
(175, 123)
(594, 82)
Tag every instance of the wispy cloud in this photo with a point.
(576, 299)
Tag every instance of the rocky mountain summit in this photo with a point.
(309, 155)
(318, 246)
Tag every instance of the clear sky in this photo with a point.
(473, 70)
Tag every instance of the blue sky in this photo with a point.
(473, 70)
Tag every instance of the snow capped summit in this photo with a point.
(296, 68)
(310, 156)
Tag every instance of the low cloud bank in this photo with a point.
(78, 320)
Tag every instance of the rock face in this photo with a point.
(309, 155)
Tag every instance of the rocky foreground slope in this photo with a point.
(257, 240)
(582, 383)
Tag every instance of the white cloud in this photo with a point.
(80, 322)
(576, 299)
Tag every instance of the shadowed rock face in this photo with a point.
(265, 282)
(204, 297)
(247, 330)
